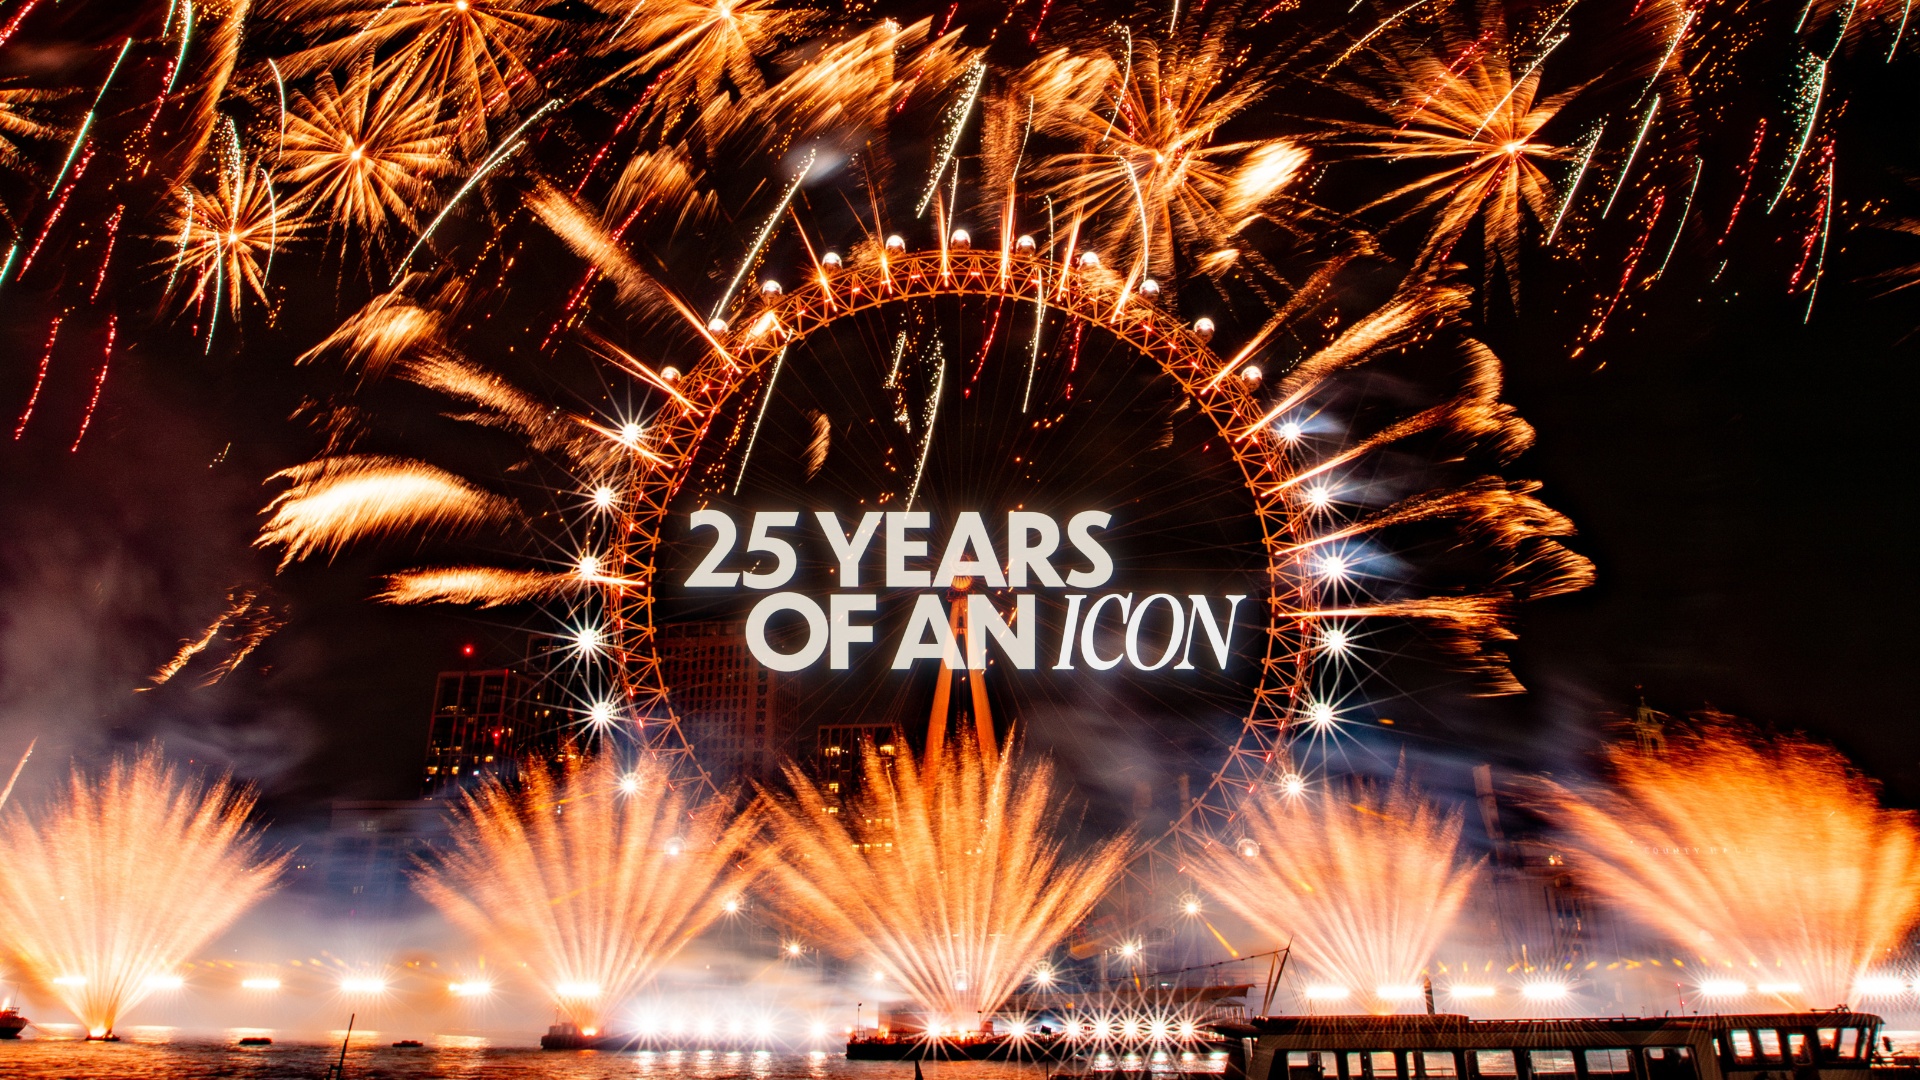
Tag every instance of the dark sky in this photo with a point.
(1740, 478)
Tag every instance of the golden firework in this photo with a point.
(367, 153)
(949, 874)
(1767, 856)
(225, 238)
(113, 885)
(592, 879)
(1363, 882)
(475, 57)
(1148, 164)
(1469, 114)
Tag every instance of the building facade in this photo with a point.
(839, 759)
(738, 716)
(479, 727)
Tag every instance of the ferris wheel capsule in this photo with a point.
(770, 288)
(717, 325)
(896, 244)
(1025, 245)
(1150, 289)
(960, 241)
(1203, 329)
(831, 260)
(1089, 260)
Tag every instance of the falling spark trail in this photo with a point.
(6, 265)
(113, 233)
(58, 209)
(766, 400)
(186, 231)
(1626, 277)
(1685, 208)
(1119, 104)
(1826, 222)
(1906, 12)
(933, 414)
(766, 230)
(1374, 33)
(1033, 360)
(1806, 133)
(899, 351)
(86, 122)
(1579, 174)
(15, 778)
(179, 62)
(1039, 318)
(1679, 35)
(113, 323)
(282, 85)
(962, 110)
(1638, 140)
(18, 18)
(39, 380)
(508, 147)
(1746, 181)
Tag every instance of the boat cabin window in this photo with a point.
(1381, 1064)
(1797, 1047)
(1742, 1043)
(1312, 1065)
(1493, 1064)
(1850, 1041)
(1434, 1063)
(1609, 1063)
(1551, 1062)
(1769, 1043)
(1669, 1063)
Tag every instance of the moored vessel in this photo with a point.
(11, 1023)
(1834, 1045)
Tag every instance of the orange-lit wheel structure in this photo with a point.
(661, 456)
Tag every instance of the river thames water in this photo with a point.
(174, 1054)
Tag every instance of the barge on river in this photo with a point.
(1837, 1045)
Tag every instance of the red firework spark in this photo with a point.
(113, 322)
(39, 380)
(57, 208)
(1746, 178)
(15, 24)
(113, 233)
(1626, 278)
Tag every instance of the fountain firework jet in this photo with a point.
(110, 887)
(1765, 854)
(948, 875)
(593, 878)
(1365, 883)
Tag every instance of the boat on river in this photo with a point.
(1832, 1045)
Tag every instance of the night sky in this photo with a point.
(1740, 477)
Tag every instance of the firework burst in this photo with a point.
(226, 237)
(592, 879)
(1363, 882)
(1472, 119)
(122, 877)
(949, 875)
(1765, 856)
(1149, 162)
(365, 154)
(473, 57)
